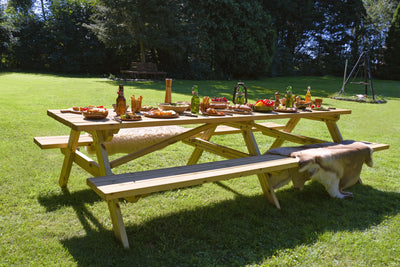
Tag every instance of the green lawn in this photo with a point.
(220, 224)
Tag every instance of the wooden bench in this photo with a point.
(131, 186)
(49, 142)
(144, 70)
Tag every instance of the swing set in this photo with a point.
(362, 66)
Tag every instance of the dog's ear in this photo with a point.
(306, 163)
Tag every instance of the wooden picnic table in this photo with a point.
(199, 137)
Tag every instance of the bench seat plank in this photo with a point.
(47, 142)
(139, 183)
(376, 146)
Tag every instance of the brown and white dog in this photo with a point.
(336, 166)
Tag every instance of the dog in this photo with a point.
(335, 166)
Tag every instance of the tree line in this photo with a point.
(208, 39)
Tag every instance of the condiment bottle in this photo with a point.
(289, 97)
(308, 96)
(120, 108)
(195, 103)
(277, 101)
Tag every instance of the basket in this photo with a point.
(179, 108)
(264, 109)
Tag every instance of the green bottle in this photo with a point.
(195, 103)
(289, 97)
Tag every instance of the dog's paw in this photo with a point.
(347, 195)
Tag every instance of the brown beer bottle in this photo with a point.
(121, 101)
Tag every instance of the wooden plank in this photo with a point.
(77, 122)
(198, 151)
(288, 128)
(262, 177)
(118, 223)
(217, 149)
(85, 162)
(223, 129)
(69, 158)
(296, 138)
(131, 184)
(376, 146)
(48, 142)
(334, 131)
(99, 137)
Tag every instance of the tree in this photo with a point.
(392, 53)
(293, 20)
(233, 38)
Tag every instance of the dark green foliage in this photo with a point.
(234, 38)
(227, 39)
(391, 69)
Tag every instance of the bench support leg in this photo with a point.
(262, 177)
(118, 223)
(69, 158)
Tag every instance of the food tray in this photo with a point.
(218, 105)
(214, 114)
(146, 114)
(286, 110)
(320, 109)
(237, 111)
(118, 118)
(180, 108)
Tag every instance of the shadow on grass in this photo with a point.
(238, 232)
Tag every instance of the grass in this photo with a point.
(220, 224)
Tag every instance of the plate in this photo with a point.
(218, 105)
(70, 110)
(94, 116)
(214, 114)
(320, 109)
(237, 111)
(180, 108)
(286, 110)
(136, 118)
(150, 115)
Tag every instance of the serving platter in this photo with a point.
(151, 115)
(286, 110)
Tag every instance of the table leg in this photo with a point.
(334, 131)
(196, 154)
(288, 128)
(263, 177)
(69, 158)
(99, 137)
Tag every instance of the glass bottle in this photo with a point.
(277, 101)
(195, 103)
(308, 96)
(289, 97)
(120, 108)
(240, 95)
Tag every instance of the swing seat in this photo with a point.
(362, 83)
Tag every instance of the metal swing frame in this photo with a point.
(363, 59)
